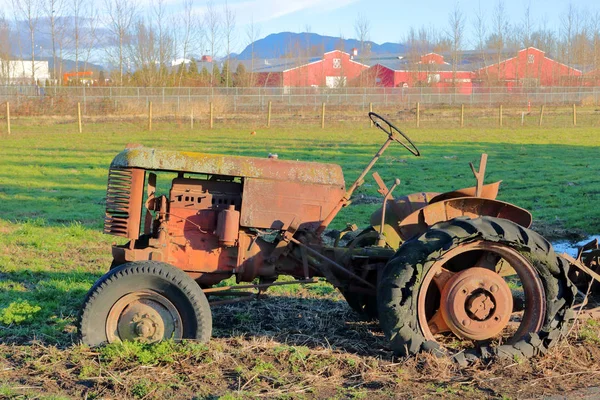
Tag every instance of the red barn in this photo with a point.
(592, 78)
(335, 69)
(430, 71)
(530, 67)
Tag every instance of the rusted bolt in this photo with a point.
(466, 322)
(494, 288)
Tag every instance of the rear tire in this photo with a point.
(171, 305)
(404, 276)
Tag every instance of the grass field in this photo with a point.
(301, 341)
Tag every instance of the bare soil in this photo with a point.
(301, 347)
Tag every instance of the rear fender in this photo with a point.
(419, 221)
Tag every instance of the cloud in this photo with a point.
(266, 10)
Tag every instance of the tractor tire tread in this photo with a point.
(174, 276)
(398, 306)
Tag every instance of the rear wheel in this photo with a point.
(147, 301)
(447, 292)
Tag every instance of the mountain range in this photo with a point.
(289, 44)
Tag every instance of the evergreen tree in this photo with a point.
(204, 76)
(241, 78)
(216, 75)
(226, 75)
(193, 70)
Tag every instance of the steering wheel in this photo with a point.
(394, 133)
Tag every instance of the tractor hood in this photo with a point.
(247, 167)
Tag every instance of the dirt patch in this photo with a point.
(289, 348)
(555, 232)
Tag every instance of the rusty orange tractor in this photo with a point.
(432, 267)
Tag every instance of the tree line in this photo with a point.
(142, 43)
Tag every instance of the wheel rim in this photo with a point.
(145, 316)
(475, 302)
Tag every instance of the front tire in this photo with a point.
(147, 301)
(437, 292)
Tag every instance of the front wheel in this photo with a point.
(147, 301)
(475, 288)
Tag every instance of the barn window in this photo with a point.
(433, 78)
(337, 63)
(530, 59)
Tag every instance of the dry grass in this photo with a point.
(285, 347)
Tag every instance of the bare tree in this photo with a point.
(91, 27)
(456, 31)
(544, 38)
(186, 34)
(76, 11)
(29, 11)
(121, 15)
(595, 40)
(498, 38)
(5, 50)
(362, 29)
(144, 53)
(213, 23)
(527, 28)
(567, 33)
(166, 45)
(228, 30)
(53, 9)
(252, 35)
(480, 34)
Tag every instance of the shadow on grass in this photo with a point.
(311, 322)
(314, 323)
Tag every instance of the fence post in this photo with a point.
(323, 116)
(541, 114)
(500, 115)
(192, 119)
(419, 112)
(269, 115)
(211, 124)
(574, 115)
(8, 117)
(79, 117)
(371, 110)
(462, 115)
(150, 116)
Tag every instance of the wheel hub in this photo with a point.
(476, 303)
(144, 316)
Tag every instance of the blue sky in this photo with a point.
(389, 19)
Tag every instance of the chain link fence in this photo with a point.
(451, 107)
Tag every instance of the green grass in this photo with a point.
(52, 188)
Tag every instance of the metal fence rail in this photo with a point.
(240, 99)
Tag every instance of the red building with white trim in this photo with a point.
(430, 71)
(530, 67)
(335, 69)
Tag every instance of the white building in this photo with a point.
(21, 71)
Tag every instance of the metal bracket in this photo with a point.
(383, 189)
(579, 264)
(479, 175)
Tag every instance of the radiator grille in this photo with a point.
(118, 202)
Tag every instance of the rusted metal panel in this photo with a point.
(275, 204)
(489, 191)
(420, 220)
(124, 202)
(215, 164)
